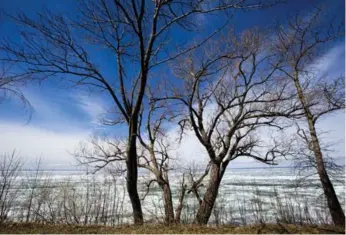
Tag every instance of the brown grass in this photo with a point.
(161, 229)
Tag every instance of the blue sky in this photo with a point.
(64, 116)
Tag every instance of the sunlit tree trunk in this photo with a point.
(335, 208)
(207, 205)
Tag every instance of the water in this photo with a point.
(245, 196)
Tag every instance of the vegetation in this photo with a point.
(174, 229)
(91, 200)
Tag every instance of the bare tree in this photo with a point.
(6, 83)
(155, 156)
(102, 152)
(137, 35)
(180, 206)
(304, 158)
(10, 86)
(158, 159)
(300, 44)
(230, 92)
(10, 166)
(31, 185)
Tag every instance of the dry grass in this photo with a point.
(161, 229)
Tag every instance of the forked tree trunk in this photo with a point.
(132, 175)
(168, 203)
(180, 203)
(334, 206)
(207, 205)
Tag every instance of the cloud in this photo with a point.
(61, 119)
(48, 107)
(32, 142)
(331, 61)
(55, 108)
(92, 106)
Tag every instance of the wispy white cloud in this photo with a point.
(45, 110)
(60, 121)
(32, 142)
(94, 107)
(331, 62)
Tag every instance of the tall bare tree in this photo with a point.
(229, 92)
(157, 158)
(136, 33)
(154, 155)
(301, 44)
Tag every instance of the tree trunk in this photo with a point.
(132, 175)
(181, 202)
(168, 203)
(335, 208)
(206, 207)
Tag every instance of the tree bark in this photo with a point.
(180, 203)
(168, 203)
(206, 207)
(334, 206)
(132, 174)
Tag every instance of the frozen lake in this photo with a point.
(245, 196)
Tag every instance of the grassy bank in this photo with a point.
(161, 229)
